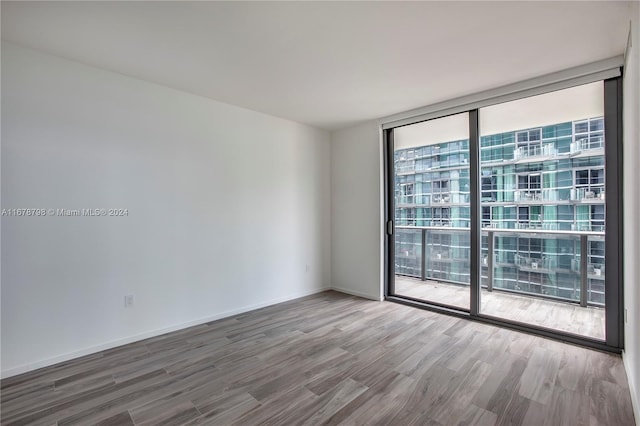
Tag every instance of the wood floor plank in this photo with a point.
(271, 411)
(332, 359)
(120, 419)
(607, 402)
(538, 379)
(226, 415)
(501, 382)
(515, 411)
(345, 392)
(173, 414)
(381, 382)
(474, 415)
(455, 407)
(381, 405)
(61, 408)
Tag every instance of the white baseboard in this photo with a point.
(24, 368)
(632, 389)
(356, 293)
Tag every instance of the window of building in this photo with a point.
(529, 143)
(407, 191)
(589, 184)
(489, 186)
(597, 217)
(441, 216)
(442, 241)
(486, 216)
(588, 134)
(523, 217)
(565, 217)
(530, 186)
(410, 217)
(527, 137)
(529, 217)
(440, 191)
(529, 256)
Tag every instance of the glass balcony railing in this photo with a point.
(593, 193)
(528, 195)
(405, 167)
(541, 263)
(586, 144)
(547, 150)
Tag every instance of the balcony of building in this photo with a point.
(535, 151)
(537, 277)
(591, 143)
(593, 194)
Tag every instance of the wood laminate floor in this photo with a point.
(329, 359)
(571, 317)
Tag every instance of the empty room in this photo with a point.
(297, 213)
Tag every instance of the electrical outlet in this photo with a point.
(308, 268)
(128, 301)
(626, 317)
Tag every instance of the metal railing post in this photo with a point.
(583, 269)
(423, 272)
(490, 261)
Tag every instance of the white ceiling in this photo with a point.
(327, 64)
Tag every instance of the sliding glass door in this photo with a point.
(543, 210)
(510, 213)
(431, 215)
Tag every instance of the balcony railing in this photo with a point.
(547, 150)
(594, 193)
(586, 144)
(528, 195)
(543, 263)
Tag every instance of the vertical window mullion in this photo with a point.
(389, 224)
(475, 212)
(613, 188)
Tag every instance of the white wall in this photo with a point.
(631, 149)
(356, 260)
(226, 208)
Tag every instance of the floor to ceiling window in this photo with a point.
(509, 213)
(431, 195)
(545, 155)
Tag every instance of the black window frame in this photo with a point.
(614, 325)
